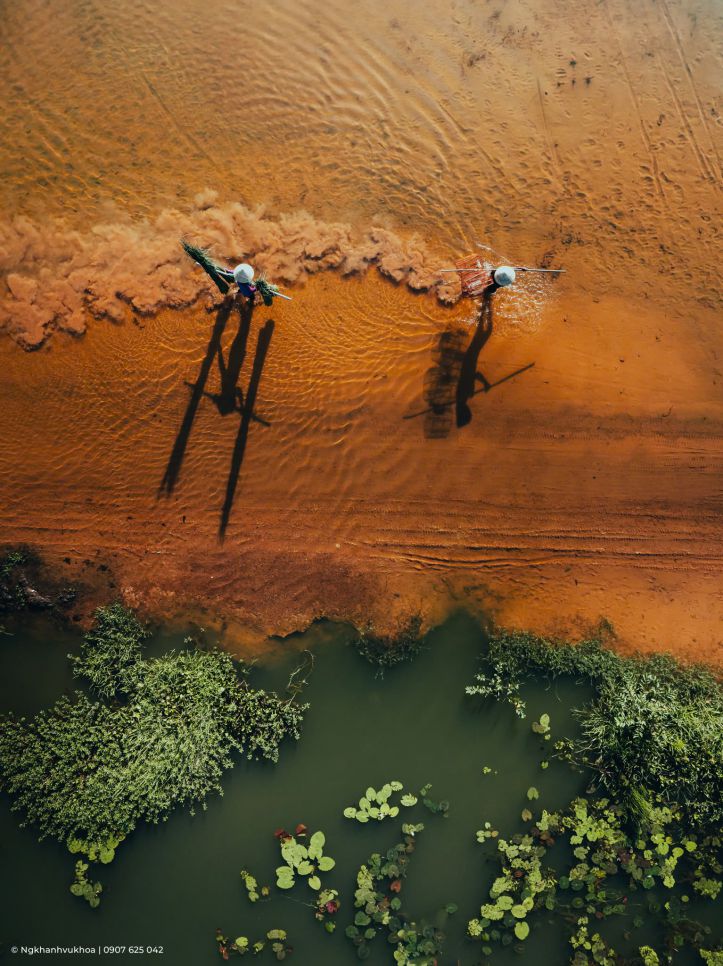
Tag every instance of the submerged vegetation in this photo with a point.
(388, 651)
(155, 734)
(379, 906)
(639, 850)
(652, 734)
(377, 901)
(606, 863)
(23, 584)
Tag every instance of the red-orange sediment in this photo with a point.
(587, 486)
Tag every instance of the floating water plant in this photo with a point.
(276, 939)
(82, 887)
(375, 805)
(159, 734)
(653, 730)
(327, 906)
(378, 905)
(542, 727)
(608, 864)
(253, 891)
(437, 808)
(103, 851)
(302, 860)
(488, 832)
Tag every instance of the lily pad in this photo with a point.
(532, 792)
(522, 930)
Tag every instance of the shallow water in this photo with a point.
(172, 885)
(584, 136)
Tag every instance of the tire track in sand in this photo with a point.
(686, 66)
(634, 97)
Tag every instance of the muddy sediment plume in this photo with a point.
(57, 278)
(586, 483)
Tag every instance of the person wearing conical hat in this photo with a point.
(501, 278)
(243, 276)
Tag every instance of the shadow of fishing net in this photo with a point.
(441, 381)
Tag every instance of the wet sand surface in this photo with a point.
(586, 486)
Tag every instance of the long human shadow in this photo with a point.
(230, 398)
(455, 378)
(247, 414)
(213, 349)
(469, 375)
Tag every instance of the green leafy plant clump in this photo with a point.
(603, 864)
(654, 729)
(275, 939)
(82, 887)
(306, 861)
(375, 805)
(159, 734)
(378, 903)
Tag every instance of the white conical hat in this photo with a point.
(244, 273)
(504, 275)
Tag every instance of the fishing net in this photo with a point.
(474, 276)
(202, 258)
(522, 305)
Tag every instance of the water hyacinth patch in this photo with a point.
(654, 728)
(158, 734)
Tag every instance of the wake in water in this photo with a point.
(56, 278)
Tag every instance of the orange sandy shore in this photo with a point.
(587, 486)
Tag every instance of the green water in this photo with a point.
(172, 885)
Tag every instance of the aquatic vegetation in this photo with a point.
(161, 735)
(609, 861)
(111, 652)
(21, 574)
(388, 651)
(542, 727)
(436, 808)
(82, 887)
(713, 957)
(593, 948)
(101, 851)
(276, 939)
(253, 891)
(303, 860)
(654, 729)
(488, 832)
(377, 901)
(375, 804)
